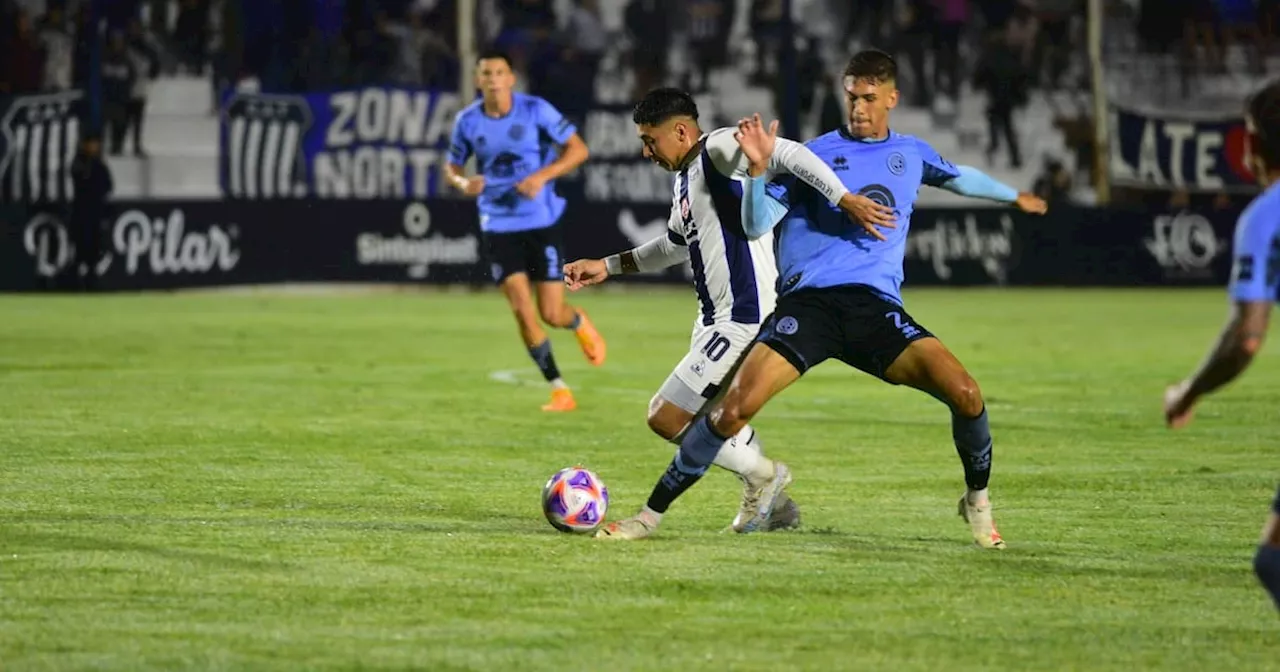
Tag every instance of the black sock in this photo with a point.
(697, 451)
(1266, 564)
(541, 354)
(577, 321)
(973, 444)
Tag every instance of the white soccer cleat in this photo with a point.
(981, 523)
(627, 529)
(786, 514)
(758, 501)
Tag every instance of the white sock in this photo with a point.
(559, 384)
(743, 454)
(977, 496)
(650, 517)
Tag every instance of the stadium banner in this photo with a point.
(392, 143)
(162, 245)
(617, 172)
(39, 135)
(1179, 152)
(367, 143)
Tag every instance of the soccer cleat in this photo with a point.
(981, 523)
(758, 501)
(561, 401)
(786, 515)
(627, 529)
(591, 341)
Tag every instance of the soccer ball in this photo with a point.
(575, 500)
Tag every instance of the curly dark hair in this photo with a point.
(662, 104)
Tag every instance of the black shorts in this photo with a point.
(849, 322)
(535, 252)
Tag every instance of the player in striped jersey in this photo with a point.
(735, 281)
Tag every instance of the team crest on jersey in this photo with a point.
(516, 132)
(897, 163)
(880, 194)
(684, 208)
(788, 325)
(480, 141)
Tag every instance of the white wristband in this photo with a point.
(613, 264)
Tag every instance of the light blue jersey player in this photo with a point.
(522, 144)
(839, 284)
(1255, 286)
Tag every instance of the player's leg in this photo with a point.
(802, 332)
(1266, 562)
(545, 263)
(691, 389)
(763, 374)
(508, 255)
(515, 287)
(927, 365)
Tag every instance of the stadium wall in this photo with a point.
(176, 244)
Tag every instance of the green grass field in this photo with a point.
(266, 481)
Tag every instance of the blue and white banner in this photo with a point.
(375, 142)
(1176, 151)
(387, 142)
(38, 139)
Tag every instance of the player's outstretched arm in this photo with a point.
(653, 255)
(974, 183)
(1239, 342)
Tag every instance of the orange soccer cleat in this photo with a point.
(591, 341)
(561, 401)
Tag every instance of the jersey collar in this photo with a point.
(844, 133)
(693, 153)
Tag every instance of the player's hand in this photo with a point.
(868, 213)
(531, 186)
(471, 186)
(1032, 204)
(584, 272)
(1179, 405)
(756, 142)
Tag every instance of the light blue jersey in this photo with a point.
(1255, 274)
(817, 244)
(509, 149)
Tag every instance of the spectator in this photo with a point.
(146, 66)
(647, 24)
(119, 75)
(766, 25)
(915, 33)
(23, 69)
(1054, 184)
(1053, 49)
(92, 182)
(191, 34)
(58, 48)
(708, 27)
(1001, 76)
(948, 27)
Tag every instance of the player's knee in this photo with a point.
(667, 420)
(733, 413)
(549, 313)
(965, 398)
